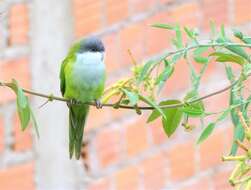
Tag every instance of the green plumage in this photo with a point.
(82, 78)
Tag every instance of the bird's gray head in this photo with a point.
(91, 44)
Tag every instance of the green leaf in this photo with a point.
(22, 103)
(195, 109)
(228, 57)
(233, 48)
(198, 57)
(156, 114)
(189, 33)
(235, 99)
(163, 76)
(238, 135)
(145, 70)
(163, 26)
(206, 132)
(23, 108)
(223, 33)
(152, 103)
(172, 121)
(178, 40)
(133, 97)
(238, 34)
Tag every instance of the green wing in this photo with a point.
(70, 57)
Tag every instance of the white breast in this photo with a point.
(92, 58)
(89, 70)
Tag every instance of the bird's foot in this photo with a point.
(71, 102)
(98, 104)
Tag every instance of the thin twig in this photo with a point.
(52, 97)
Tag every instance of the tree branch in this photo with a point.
(52, 97)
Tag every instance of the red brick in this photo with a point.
(158, 134)
(181, 161)
(185, 14)
(132, 38)
(212, 150)
(21, 176)
(85, 25)
(157, 40)
(1, 134)
(220, 180)
(201, 183)
(19, 24)
(112, 59)
(23, 139)
(179, 80)
(116, 11)
(103, 116)
(136, 138)
(242, 12)
(154, 172)
(218, 13)
(108, 145)
(138, 6)
(99, 184)
(18, 69)
(127, 178)
(221, 100)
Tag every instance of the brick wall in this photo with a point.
(122, 151)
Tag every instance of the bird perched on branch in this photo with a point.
(82, 79)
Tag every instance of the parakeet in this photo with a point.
(82, 79)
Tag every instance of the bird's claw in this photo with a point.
(71, 102)
(98, 104)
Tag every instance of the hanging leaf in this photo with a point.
(228, 57)
(209, 129)
(206, 132)
(25, 113)
(172, 121)
(23, 108)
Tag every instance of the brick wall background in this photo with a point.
(122, 152)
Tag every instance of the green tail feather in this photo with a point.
(77, 117)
